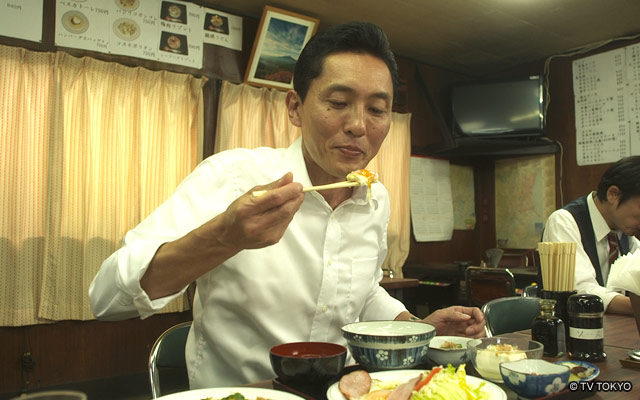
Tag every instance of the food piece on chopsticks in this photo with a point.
(363, 177)
(360, 177)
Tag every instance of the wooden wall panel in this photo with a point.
(425, 131)
(77, 351)
(576, 180)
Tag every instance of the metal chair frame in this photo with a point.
(167, 351)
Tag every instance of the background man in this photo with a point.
(603, 223)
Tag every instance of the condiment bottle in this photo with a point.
(549, 330)
(586, 329)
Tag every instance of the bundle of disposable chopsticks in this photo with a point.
(558, 264)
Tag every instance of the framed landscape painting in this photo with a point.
(280, 38)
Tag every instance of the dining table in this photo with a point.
(617, 372)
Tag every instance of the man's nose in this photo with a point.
(355, 124)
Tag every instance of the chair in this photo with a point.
(485, 284)
(530, 291)
(510, 314)
(168, 353)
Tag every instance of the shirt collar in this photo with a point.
(600, 227)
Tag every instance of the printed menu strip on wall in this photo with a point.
(222, 29)
(167, 31)
(13, 13)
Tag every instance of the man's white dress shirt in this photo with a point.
(323, 274)
(562, 227)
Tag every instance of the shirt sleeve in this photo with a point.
(115, 292)
(562, 227)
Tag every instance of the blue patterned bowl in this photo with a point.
(380, 345)
(534, 378)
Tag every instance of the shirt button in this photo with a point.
(330, 262)
(325, 308)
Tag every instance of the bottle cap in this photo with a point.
(547, 304)
(585, 303)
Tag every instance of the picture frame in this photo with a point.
(273, 58)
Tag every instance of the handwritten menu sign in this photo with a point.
(606, 89)
(13, 13)
(166, 31)
(222, 29)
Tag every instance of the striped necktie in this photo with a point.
(613, 247)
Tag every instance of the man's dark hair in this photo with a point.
(352, 37)
(625, 174)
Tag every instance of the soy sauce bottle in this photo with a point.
(586, 328)
(549, 330)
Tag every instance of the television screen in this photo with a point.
(498, 109)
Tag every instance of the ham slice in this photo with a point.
(355, 384)
(403, 392)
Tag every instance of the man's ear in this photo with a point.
(294, 103)
(614, 194)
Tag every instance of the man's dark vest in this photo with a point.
(580, 211)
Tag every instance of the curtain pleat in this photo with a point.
(116, 141)
(251, 117)
(26, 80)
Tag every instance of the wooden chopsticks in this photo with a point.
(336, 185)
(558, 264)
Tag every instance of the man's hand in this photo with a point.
(253, 222)
(249, 222)
(458, 321)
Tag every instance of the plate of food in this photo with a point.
(581, 370)
(126, 29)
(447, 382)
(75, 21)
(231, 393)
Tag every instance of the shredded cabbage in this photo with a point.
(450, 384)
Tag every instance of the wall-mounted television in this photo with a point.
(498, 109)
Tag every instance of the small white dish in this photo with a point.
(440, 354)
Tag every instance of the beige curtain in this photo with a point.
(109, 143)
(251, 117)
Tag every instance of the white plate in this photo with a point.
(127, 5)
(126, 29)
(494, 391)
(75, 22)
(220, 392)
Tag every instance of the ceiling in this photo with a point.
(474, 37)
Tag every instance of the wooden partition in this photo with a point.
(40, 356)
